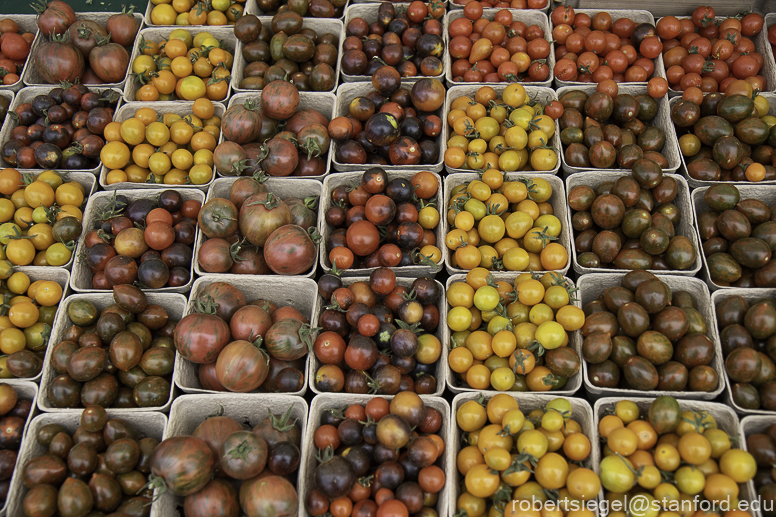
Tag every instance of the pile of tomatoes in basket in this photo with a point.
(15, 48)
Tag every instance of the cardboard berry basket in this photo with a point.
(27, 23)
(349, 91)
(223, 34)
(60, 276)
(319, 25)
(685, 228)
(581, 411)
(748, 426)
(527, 16)
(330, 401)
(592, 286)
(557, 200)
(188, 411)
(575, 341)
(771, 97)
(750, 295)
(348, 178)
(283, 188)
(127, 111)
(301, 293)
(748, 191)
(441, 367)
(81, 278)
(173, 303)
(542, 94)
(249, 7)
(368, 11)
(26, 391)
(662, 120)
(147, 423)
(322, 102)
(637, 16)
(32, 77)
(27, 95)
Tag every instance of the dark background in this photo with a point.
(79, 6)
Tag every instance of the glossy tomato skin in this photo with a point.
(289, 250)
(185, 463)
(201, 337)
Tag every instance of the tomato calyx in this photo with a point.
(325, 455)
(698, 421)
(415, 327)
(284, 423)
(366, 481)
(155, 484)
(373, 384)
(241, 451)
(310, 202)
(307, 334)
(205, 305)
(314, 235)
(270, 203)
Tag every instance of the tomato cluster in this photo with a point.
(497, 48)
(14, 411)
(761, 445)
(46, 234)
(602, 49)
(643, 444)
(608, 129)
(26, 323)
(225, 333)
(174, 150)
(146, 240)
(391, 125)
(736, 238)
(743, 328)
(286, 48)
(390, 326)
(104, 466)
(410, 41)
(405, 205)
(524, 344)
(196, 12)
(708, 53)
(64, 129)
(118, 356)
(515, 226)
(715, 128)
(507, 131)
(499, 4)
(14, 50)
(632, 222)
(182, 67)
(254, 232)
(508, 456)
(635, 340)
(379, 458)
(237, 468)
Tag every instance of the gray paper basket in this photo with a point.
(32, 77)
(748, 426)
(439, 334)
(250, 7)
(27, 95)
(319, 25)
(771, 97)
(347, 178)
(60, 276)
(349, 91)
(188, 411)
(542, 94)
(174, 304)
(593, 179)
(322, 102)
(637, 16)
(669, 7)
(750, 295)
(446, 461)
(127, 111)
(223, 34)
(557, 200)
(575, 341)
(748, 191)
(301, 293)
(368, 11)
(662, 120)
(81, 278)
(592, 286)
(25, 390)
(283, 188)
(581, 412)
(148, 423)
(27, 23)
(527, 16)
